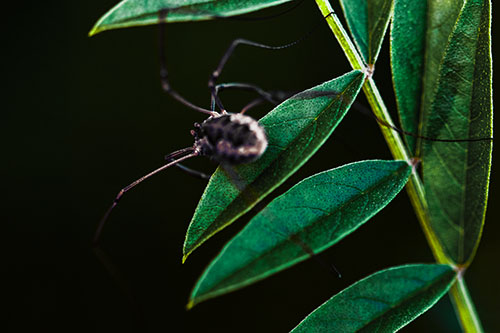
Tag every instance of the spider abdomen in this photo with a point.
(231, 138)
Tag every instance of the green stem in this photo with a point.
(394, 141)
(461, 299)
(464, 307)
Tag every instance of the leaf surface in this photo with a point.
(295, 130)
(382, 302)
(442, 17)
(367, 21)
(419, 36)
(456, 174)
(130, 13)
(312, 216)
(408, 36)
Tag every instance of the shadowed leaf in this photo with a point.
(383, 302)
(312, 216)
(131, 13)
(295, 131)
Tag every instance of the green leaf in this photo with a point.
(295, 131)
(367, 21)
(312, 216)
(456, 175)
(383, 302)
(131, 13)
(408, 36)
(419, 35)
(441, 18)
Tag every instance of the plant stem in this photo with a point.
(463, 304)
(396, 145)
(464, 307)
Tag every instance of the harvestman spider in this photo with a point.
(229, 138)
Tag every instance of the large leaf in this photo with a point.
(456, 175)
(368, 21)
(295, 131)
(312, 216)
(383, 302)
(408, 36)
(419, 36)
(130, 13)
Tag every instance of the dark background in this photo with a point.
(86, 116)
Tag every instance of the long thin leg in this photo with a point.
(240, 41)
(279, 96)
(165, 84)
(192, 152)
(262, 18)
(216, 73)
(191, 172)
(252, 104)
(122, 284)
(273, 97)
(242, 86)
(364, 110)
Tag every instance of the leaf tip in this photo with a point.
(95, 30)
(190, 304)
(188, 249)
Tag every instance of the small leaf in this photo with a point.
(419, 35)
(131, 13)
(368, 21)
(383, 302)
(312, 216)
(295, 130)
(456, 174)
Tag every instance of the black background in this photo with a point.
(86, 116)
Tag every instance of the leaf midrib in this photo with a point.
(411, 296)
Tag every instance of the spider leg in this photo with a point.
(272, 96)
(189, 171)
(252, 104)
(266, 96)
(212, 82)
(165, 83)
(191, 152)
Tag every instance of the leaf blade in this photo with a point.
(368, 21)
(442, 17)
(130, 13)
(314, 115)
(384, 301)
(408, 38)
(419, 35)
(456, 175)
(312, 216)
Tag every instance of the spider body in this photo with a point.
(230, 138)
